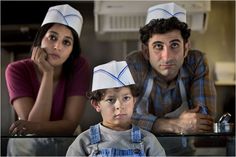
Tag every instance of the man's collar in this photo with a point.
(163, 83)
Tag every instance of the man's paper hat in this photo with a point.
(66, 15)
(111, 75)
(165, 11)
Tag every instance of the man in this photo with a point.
(176, 93)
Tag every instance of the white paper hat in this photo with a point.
(66, 15)
(166, 11)
(111, 75)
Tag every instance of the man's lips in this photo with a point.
(166, 66)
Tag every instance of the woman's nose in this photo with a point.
(57, 45)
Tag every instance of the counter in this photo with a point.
(210, 144)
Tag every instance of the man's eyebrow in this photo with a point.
(157, 42)
(160, 42)
(175, 40)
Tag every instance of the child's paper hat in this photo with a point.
(111, 75)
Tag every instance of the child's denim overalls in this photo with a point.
(137, 150)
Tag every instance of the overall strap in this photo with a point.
(182, 91)
(183, 107)
(142, 105)
(94, 133)
(203, 108)
(136, 136)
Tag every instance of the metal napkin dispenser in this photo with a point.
(223, 125)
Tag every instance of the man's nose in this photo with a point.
(165, 53)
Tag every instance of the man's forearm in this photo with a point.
(164, 125)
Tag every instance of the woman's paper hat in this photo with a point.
(66, 15)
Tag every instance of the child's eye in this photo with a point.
(110, 101)
(127, 98)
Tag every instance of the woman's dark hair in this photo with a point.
(76, 50)
(98, 95)
(161, 26)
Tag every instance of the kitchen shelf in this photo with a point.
(225, 83)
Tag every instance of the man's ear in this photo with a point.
(95, 105)
(145, 51)
(186, 48)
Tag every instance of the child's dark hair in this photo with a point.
(76, 50)
(98, 95)
(161, 26)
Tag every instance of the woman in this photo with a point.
(48, 91)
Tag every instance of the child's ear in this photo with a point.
(135, 99)
(95, 105)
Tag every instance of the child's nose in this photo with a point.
(119, 105)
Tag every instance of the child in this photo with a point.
(113, 94)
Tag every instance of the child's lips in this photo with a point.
(120, 116)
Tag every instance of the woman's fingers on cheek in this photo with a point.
(35, 54)
(42, 55)
(45, 56)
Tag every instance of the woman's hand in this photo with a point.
(39, 56)
(23, 127)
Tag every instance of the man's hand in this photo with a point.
(192, 121)
(189, 122)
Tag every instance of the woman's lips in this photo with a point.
(54, 56)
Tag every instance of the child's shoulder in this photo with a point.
(146, 133)
(83, 137)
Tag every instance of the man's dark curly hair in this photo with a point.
(161, 26)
